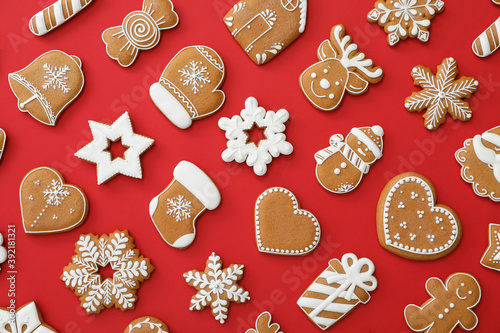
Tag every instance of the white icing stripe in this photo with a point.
(303, 15)
(40, 23)
(58, 13)
(77, 5)
(492, 138)
(485, 44)
(324, 321)
(339, 307)
(321, 288)
(367, 141)
(326, 273)
(307, 302)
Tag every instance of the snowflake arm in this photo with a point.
(435, 115)
(56, 77)
(463, 88)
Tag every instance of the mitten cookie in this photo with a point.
(488, 41)
(49, 205)
(409, 222)
(48, 85)
(450, 305)
(491, 257)
(264, 324)
(26, 319)
(188, 87)
(146, 325)
(341, 67)
(175, 210)
(264, 29)
(341, 166)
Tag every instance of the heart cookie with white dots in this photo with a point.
(281, 227)
(48, 205)
(411, 224)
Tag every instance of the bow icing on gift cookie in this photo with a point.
(338, 290)
(341, 166)
(140, 30)
(341, 68)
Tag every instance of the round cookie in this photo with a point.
(146, 324)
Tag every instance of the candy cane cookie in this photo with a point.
(489, 41)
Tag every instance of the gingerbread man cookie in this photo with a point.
(450, 305)
(491, 257)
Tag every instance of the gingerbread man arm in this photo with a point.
(416, 319)
(436, 288)
(468, 320)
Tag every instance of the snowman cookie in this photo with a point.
(341, 166)
(450, 305)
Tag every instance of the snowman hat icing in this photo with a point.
(369, 141)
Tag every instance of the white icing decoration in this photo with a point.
(194, 75)
(482, 46)
(3, 251)
(179, 208)
(56, 77)
(153, 327)
(26, 320)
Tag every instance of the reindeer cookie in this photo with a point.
(264, 324)
(341, 67)
(450, 305)
(341, 166)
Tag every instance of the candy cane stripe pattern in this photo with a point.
(55, 15)
(338, 290)
(489, 41)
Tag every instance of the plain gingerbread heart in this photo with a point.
(48, 205)
(409, 222)
(281, 227)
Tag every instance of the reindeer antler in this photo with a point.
(351, 58)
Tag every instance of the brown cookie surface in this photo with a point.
(263, 324)
(491, 257)
(147, 324)
(25, 319)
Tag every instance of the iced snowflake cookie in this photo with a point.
(3, 139)
(409, 222)
(189, 86)
(140, 30)
(341, 67)
(130, 269)
(48, 204)
(338, 290)
(264, 29)
(48, 85)
(281, 227)
(441, 94)
(175, 210)
(264, 324)
(217, 287)
(480, 161)
(55, 15)
(488, 41)
(450, 305)
(26, 319)
(97, 151)
(3, 251)
(405, 18)
(259, 155)
(146, 325)
(341, 166)
(491, 257)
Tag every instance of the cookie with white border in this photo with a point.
(146, 324)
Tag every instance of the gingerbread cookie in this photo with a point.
(217, 287)
(264, 324)
(441, 94)
(116, 250)
(488, 41)
(409, 222)
(341, 166)
(338, 290)
(48, 85)
(496, 2)
(257, 155)
(450, 305)
(3, 251)
(264, 29)
(26, 319)
(403, 18)
(188, 87)
(146, 325)
(175, 210)
(140, 30)
(97, 151)
(480, 163)
(341, 67)
(281, 227)
(491, 257)
(55, 15)
(3, 139)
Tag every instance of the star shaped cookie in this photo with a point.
(97, 151)
(491, 257)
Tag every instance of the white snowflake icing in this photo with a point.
(344, 188)
(257, 156)
(194, 75)
(179, 208)
(56, 77)
(55, 193)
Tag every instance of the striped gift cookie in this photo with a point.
(489, 41)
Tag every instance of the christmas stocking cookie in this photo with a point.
(175, 210)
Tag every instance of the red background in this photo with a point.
(347, 221)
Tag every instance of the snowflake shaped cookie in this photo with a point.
(96, 151)
(130, 270)
(258, 156)
(405, 18)
(217, 287)
(441, 93)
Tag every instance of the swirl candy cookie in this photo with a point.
(140, 30)
(146, 325)
(488, 41)
(409, 222)
(189, 86)
(48, 85)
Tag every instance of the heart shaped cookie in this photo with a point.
(411, 225)
(281, 227)
(48, 205)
